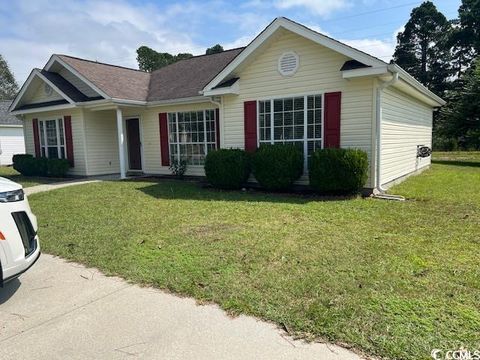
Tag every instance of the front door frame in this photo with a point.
(127, 158)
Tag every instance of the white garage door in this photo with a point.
(11, 142)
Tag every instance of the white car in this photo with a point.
(19, 246)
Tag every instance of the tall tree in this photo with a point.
(422, 48)
(469, 16)
(214, 49)
(150, 60)
(8, 85)
(460, 118)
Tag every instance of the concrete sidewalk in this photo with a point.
(60, 310)
(58, 185)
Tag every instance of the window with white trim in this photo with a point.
(52, 138)
(191, 135)
(296, 120)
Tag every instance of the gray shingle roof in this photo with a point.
(186, 78)
(116, 81)
(5, 117)
(183, 79)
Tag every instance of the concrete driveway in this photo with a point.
(60, 310)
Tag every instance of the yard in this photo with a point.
(394, 279)
(26, 181)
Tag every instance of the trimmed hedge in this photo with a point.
(28, 165)
(227, 168)
(58, 167)
(277, 166)
(338, 171)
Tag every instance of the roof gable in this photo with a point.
(40, 87)
(112, 81)
(269, 34)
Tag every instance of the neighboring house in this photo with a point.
(290, 84)
(11, 134)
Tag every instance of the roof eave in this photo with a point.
(416, 84)
(42, 109)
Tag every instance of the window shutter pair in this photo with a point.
(67, 129)
(164, 146)
(332, 113)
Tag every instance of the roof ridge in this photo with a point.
(197, 56)
(102, 63)
(142, 71)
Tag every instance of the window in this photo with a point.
(52, 139)
(296, 120)
(191, 135)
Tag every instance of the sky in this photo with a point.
(111, 30)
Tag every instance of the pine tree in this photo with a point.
(469, 16)
(423, 48)
(460, 118)
(8, 85)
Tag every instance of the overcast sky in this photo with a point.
(110, 31)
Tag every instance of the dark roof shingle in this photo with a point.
(5, 117)
(186, 78)
(66, 87)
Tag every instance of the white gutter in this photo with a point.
(379, 128)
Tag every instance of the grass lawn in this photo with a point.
(26, 181)
(394, 279)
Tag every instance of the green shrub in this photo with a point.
(41, 166)
(20, 162)
(58, 167)
(338, 171)
(178, 168)
(277, 166)
(445, 144)
(28, 165)
(227, 168)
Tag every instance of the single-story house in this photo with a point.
(290, 84)
(11, 134)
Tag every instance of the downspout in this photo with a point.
(378, 116)
(220, 110)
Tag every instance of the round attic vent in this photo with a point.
(288, 63)
(48, 89)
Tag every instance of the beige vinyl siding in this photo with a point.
(38, 95)
(406, 123)
(79, 84)
(77, 136)
(318, 72)
(102, 142)
(11, 143)
(150, 133)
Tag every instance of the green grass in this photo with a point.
(26, 181)
(394, 279)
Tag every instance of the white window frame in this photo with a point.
(305, 123)
(205, 143)
(43, 134)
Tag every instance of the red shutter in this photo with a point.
(67, 121)
(36, 138)
(217, 127)
(164, 150)
(332, 119)
(250, 125)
